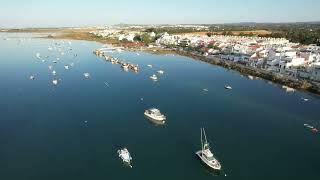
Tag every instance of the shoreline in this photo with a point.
(297, 84)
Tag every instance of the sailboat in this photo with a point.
(205, 153)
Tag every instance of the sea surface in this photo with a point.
(72, 131)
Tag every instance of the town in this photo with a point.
(278, 56)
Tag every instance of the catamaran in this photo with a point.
(205, 153)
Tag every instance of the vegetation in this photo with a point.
(145, 38)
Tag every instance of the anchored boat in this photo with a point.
(155, 115)
(154, 77)
(205, 153)
(125, 156)
(227, 87)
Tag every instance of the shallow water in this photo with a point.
(73, 130)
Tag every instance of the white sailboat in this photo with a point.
(205, 153)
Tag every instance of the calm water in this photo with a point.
(72, 131)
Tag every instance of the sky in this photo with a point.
(73, 13)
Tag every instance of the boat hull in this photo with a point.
(155, 121)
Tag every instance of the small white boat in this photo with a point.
(135, 68)
(205, 90)
(288, 89)
(54, 72)
(155, 114)
(228, 87)
(205, 153)
(66, 67)
(311, 128)
(50, 67)
(154, 77)
(31, 77)
(38, 55)
(125, 66)
(55, 82)
(149, 65)
(54, 61)
(308, 126)
(305, 99)
(160, 72)
(251, 77)
(125, 156)
(86, 75)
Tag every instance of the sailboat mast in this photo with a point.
(201, 139)
(205, 137)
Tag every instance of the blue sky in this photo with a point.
(41, 13)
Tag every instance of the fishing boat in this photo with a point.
(154, 77)
(125, 156)
(155, 115)
(205, 153)
(227, 87)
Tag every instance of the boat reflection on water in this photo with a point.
(207, 170)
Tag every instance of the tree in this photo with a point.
(137, 37)
(146, 38)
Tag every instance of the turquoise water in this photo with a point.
(72, 131)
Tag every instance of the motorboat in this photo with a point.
(313, 129)
(125, 156)
(154, 77)
(205, 153)
(55, 82)
(125, 66)
(66, 67)
(135, 68)
(227, 87)
(155, 115)
(54, 72)
(31, 77)
(149, 65)
(86, 75)
(160, 72)
(38, 55)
